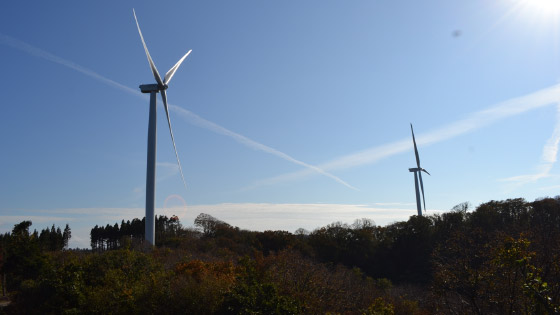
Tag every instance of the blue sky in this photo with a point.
(271, 91)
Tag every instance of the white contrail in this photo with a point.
(512, 107)
(34, 51)
(548, 158)
(188, 115)
(201, 122)
(550, 150)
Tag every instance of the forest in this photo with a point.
(501, 258)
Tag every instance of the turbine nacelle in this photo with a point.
(149, 88)
(416, 169)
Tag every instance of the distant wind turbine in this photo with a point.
(418, 175)
(153, 89)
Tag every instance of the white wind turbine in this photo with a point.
(418, 175)
(153, 89)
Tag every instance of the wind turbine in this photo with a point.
(418, 175)
(153, 89)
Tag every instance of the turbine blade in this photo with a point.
(422, 187)
(423, 170)
(171, 71)
(415, 149)
(152, 65)
(164, 99)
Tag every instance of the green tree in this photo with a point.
(24, 260)
(66, 235)
(252, 295)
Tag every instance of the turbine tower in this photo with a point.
(153, 89)
(418, 176)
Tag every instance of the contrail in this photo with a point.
(34, 51)
(550, 150)
(201, 122)
(474, 121)
(548, 158)
(188, 115)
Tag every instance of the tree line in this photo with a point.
(20, 252)
(501, 258)
(114, 236)
(52, 239)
